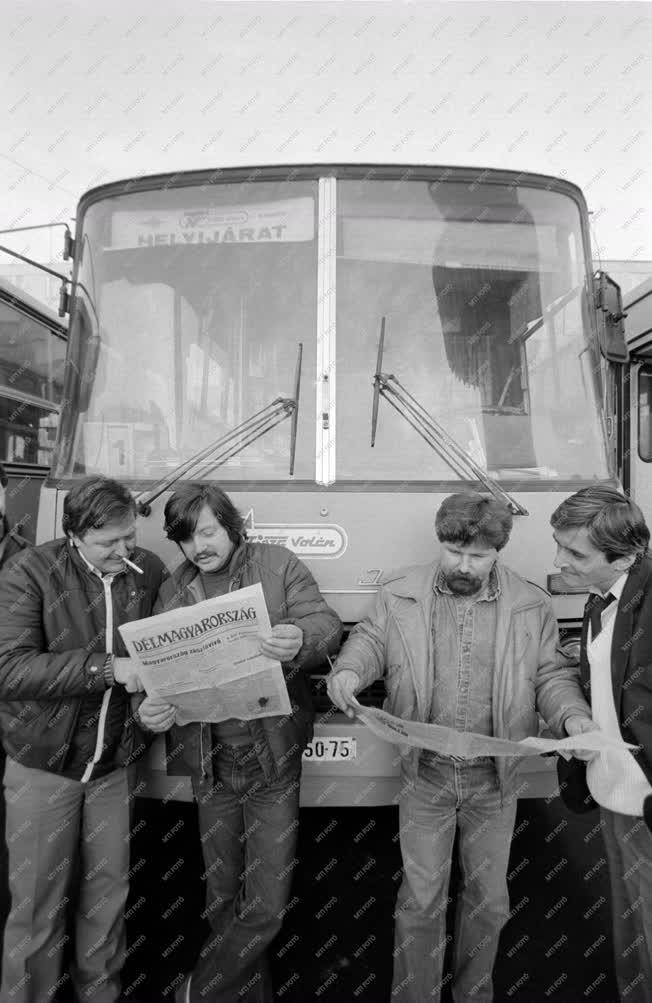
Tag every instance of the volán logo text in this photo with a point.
(303, 539)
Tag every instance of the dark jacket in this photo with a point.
(52, 649)
(292, 596)
(631, 677)
(13, 542)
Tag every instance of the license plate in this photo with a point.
(330, 750)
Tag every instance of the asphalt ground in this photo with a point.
(336, 941)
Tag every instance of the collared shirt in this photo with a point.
(91, 567)
(614, 778)
(464, 639)
(608, 615)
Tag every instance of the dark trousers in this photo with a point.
(629, 853)
(248, 829)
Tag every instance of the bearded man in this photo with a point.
(466, 643)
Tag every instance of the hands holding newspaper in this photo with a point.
(124, 672)
(282, 642)
(342, 688)
(156, 714)
(577, 725)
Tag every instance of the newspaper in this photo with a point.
(468, 745)
(206, 661)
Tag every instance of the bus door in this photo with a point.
(638, 328)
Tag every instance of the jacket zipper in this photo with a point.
(204, 774)
(107, 585)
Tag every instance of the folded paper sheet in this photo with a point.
(467, 745)
(206, 661)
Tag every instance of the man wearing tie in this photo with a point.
(602, 545)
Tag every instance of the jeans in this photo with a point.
(248, 830)
(628, 842)
(58, 829)
(447, 796)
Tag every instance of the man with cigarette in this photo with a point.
(69, 733)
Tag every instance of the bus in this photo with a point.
(341, 346)
(32, 360)
(638, 327)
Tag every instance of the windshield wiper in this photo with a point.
(388, 386)
(295, 409)
(229, 445)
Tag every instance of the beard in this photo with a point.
(463, 585)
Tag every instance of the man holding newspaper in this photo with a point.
(243, 749)
(468, 644)
(67, 692)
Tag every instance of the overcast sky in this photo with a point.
(94, 92)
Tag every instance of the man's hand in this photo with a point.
(576, 724)
(124, 671)
(342, 687)
(156, 714)
(283, 643)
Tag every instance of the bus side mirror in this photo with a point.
(85, 353)
(611, 327)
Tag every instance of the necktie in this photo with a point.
(597, 605)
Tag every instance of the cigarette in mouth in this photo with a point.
(132, 565)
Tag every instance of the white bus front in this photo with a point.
(193, 294)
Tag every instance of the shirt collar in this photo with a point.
(616, 589)
(489, 592)
(91, 567)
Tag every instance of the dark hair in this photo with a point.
(474, 518)
(184, 505)
(615, 524)
(4, 480)
(93, 503)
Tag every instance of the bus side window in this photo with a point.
(31, 384)
(644, 414)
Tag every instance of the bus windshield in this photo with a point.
(191, 303)
(483, 291)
